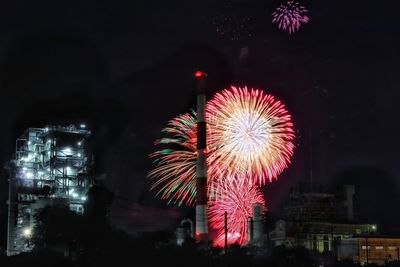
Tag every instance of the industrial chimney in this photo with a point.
(348, 192)
(201, 167)
(258, 221)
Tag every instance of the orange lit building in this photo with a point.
(380, 249)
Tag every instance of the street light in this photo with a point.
(368, 227)
(27, 232)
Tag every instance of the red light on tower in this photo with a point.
(199, 74)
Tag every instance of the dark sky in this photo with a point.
(125, 68)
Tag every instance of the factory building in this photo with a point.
(50, 167)
(318, 221)
(378, 249)
(316, 236)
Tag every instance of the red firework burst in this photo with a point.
(237, 200)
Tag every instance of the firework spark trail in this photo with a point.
(289, 16)
(176, 168)
(175, 172)
(237, 199)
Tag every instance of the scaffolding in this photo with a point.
(311, 207)
(50, 166)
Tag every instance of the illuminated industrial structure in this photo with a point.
(50, 167)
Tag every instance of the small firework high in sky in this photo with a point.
(231, 24)
(289, 16)
(237, 200)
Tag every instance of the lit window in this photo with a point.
(392, 248)
(67, 150)
(364, 247)
(379, 247)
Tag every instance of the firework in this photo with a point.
(289, 16)
(231, 24)
(237, 200)
(175, 172)
(250, 135)
(233, 27)
(249, 139)
(176, 164)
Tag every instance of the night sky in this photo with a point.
(126, 67)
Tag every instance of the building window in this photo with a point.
(314, 243)
(326, 243)
(364, 247)
(379, 247)
(392, 248)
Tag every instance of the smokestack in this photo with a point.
(258, 222)
(249, 229)
(349, 191)
(201, 167)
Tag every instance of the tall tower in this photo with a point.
(201, 167)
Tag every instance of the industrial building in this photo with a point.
(50, 167)
(317, 236)
(255, 229)
(378, 249)
(319, 221)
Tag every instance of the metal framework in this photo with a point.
(50, 166)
